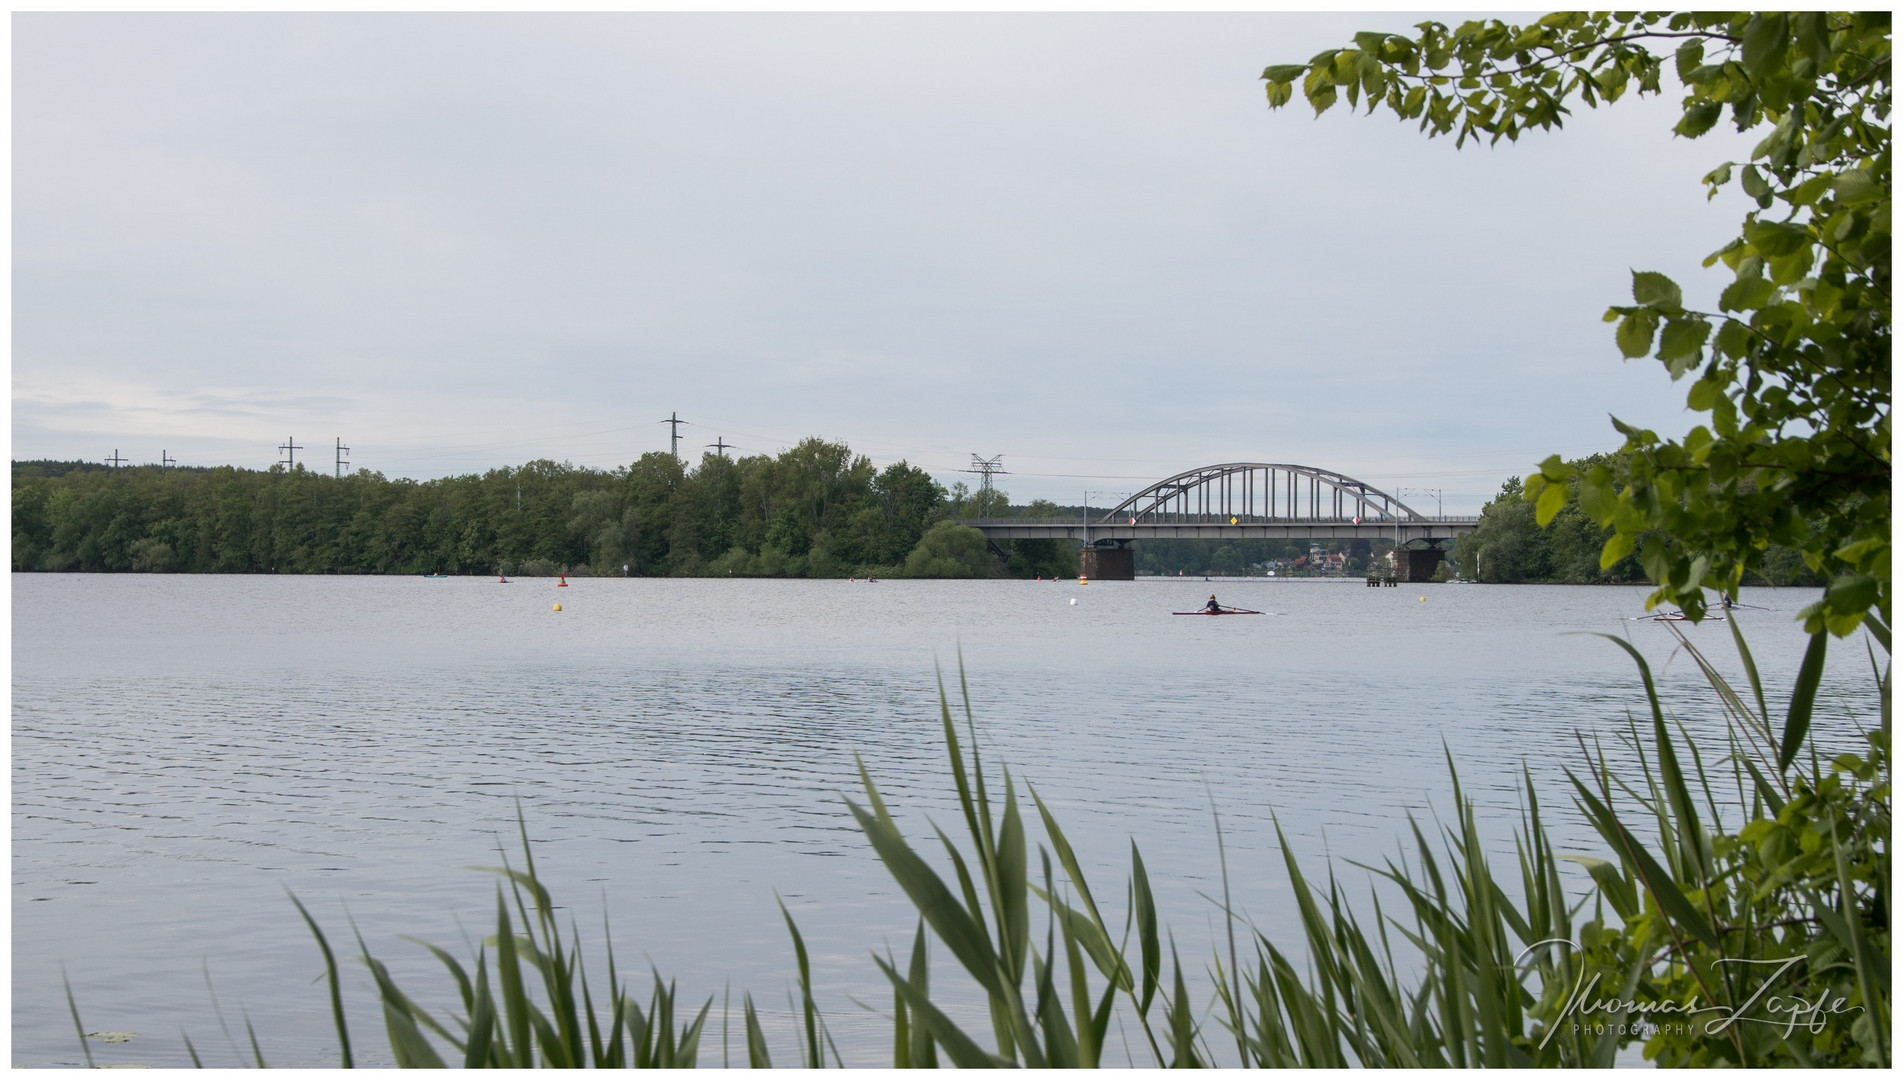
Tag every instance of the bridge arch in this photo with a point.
(1259, 492)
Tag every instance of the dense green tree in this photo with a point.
(949, 550)
(816, 509)
(908, 500)
(1510, 545)
(1793, 369)
(1041, 558)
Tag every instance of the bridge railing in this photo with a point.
(1214, 519)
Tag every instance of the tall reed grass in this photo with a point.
(1739, 916)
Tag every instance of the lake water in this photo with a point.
(188, 748)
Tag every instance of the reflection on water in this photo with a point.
(186, 749)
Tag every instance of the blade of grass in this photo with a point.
(73, 1007)
(1797, 721)
(330, 970)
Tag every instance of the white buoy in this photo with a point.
(1073, 601)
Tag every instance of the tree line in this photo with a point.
(815, 510)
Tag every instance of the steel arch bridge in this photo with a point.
(1245, 499)
(1254, 491)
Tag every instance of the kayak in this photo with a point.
(1224, 611)
(1675, 616)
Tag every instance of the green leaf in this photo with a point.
(1809, 191)
(1147, 932)
(757, 1055)
(1614, 886)
(1550, 502)
(1803, 696)
(1766, 38)
(1852, 594)
(1635, 333)
(1774, 240)
(1855, 553)
(1754, 183)
(1596, 496)
(1618, 546)
(1703, 395)
(940, 907)
(330, 971)
(1656, 291)
(1700, 117)
(1858, 186)
(1284, 73)
(1746, 294)
(1690, 54)
(964, 1052)
(1683, 338)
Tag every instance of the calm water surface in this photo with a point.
(187, 749)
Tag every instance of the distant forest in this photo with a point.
(816, 510)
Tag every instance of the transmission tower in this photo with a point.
(720, 445)
(115, 460)
(674, 423)
(290, 449)
(166, 460)
(987, 468)
(342, 453)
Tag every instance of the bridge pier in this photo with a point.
(1115, 561)
(1414, 565)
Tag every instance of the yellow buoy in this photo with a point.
(558, 607)
(1423, 599)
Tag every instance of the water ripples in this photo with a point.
(680, 750)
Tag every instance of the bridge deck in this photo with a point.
(1286, 529)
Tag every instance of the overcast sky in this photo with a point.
(1082, 242)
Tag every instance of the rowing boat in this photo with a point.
(1224, 611)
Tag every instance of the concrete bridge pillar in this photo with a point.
(1415, 566)
(1117, 563)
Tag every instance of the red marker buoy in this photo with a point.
(562, 584)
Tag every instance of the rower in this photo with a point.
(1212, 607)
